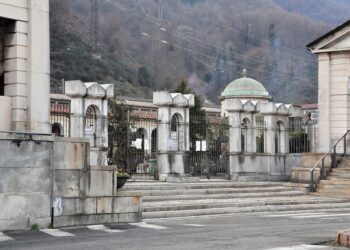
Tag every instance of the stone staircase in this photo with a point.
(165, 200)
(338, 181)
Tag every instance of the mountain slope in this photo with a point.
(208, 42)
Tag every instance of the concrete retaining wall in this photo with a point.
(25, 186)
(81, 194)
(89, 196)
(262, 167)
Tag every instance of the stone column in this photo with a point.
(270, 133)
(77, 118)
(324, 139)
(39, 66)
(172, 159)
(16, 74)
(234, 131)
(234, 108)
(285, 138)
(163, 141)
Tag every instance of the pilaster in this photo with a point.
(16, 73)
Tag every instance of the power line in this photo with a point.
(244, 58)
(281, 73)
(94, 28)
(154, 21)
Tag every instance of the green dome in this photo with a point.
(245, 87)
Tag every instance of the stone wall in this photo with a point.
(87, 194)
(81, 194)
(25, 188)
(262, 167)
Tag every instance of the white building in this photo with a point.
(333, 51)
(24, 65)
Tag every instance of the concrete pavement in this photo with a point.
(265, 231)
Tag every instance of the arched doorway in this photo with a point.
(57, 129)
(154, 141)
(175, 133)
(245, 136)
(91, 124)
(279, 139)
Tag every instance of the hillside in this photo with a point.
(207, 42)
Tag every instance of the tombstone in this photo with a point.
(173, 135)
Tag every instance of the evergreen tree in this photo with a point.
(117, 132)
(197, 112)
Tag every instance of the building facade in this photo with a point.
(333, 51)
(24, 65)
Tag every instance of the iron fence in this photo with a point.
(302, 136)
(134, 148)
(209, 155)
(60, 117)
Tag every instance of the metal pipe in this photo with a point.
(322, 169)
(24, 133)
(53, 181)
(312, 181)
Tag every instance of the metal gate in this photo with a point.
(142, 145)
(209, 147)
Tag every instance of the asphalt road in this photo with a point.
(259, 231)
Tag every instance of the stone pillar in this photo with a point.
(324, 88)
(172, 160)
(235, 141)
(39, 66)
(285, 139)
(77, 118)
(270, 132)
(96, 95)
(16, 73)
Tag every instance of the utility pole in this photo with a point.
(160, 14)
(94, 27)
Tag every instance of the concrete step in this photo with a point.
(222, 196)
(209, 191)
(335, 181)
(341, 170)
(333, 190)
(305, 188)
(204, 204)
(249, 209)
(339, 177)
(200, 185)
(334, 194)
(334, 185)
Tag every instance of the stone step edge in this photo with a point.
(198, 212)
(206, 191)
(222, 196)
(195, 187)
(237, 204)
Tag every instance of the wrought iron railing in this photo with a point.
(333, 154)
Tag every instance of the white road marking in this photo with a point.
(292, 214)
(4, 237)
(103, 229)
(300, 247)
(194, 225)
(56, 232)
(320, 216)
(150, 226)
